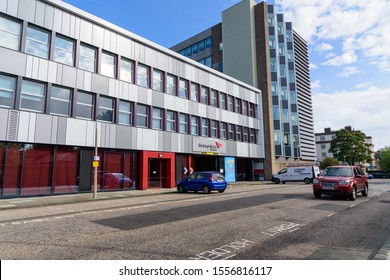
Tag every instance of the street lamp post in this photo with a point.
(95, 165)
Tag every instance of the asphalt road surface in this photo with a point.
(257, 222)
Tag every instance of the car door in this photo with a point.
(359, 179)
(200, 181)
(190, 184)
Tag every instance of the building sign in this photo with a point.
(209, 146)
(230, 169)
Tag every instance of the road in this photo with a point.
(264, 222)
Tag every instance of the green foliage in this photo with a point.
(328, 161)
(350, 147)
(384, 159)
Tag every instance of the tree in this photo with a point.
(328, 161)
(350, 147)
(384, 159)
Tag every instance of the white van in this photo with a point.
(296, 173)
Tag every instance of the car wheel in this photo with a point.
(277, 181)
(181, 189)
(221, 191)
(353, 194)
(317, 194)
(206, 189)
(365, 191)
(307, 181)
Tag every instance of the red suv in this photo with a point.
(341, 180)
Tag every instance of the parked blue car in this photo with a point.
(205, 181)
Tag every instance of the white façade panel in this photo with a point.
(87, 81)
(54, 127)
(12, 62)
(26, 9)
(31, 128)
(23, 126)
(69, 76)
(57, 24)
(3, 124)
(52, 72)
(114, 42)
(43, 129)
(80, 79)
(106, 39)
(35, 68)
(76, 132)
(98, 36)
(123, 46)
(65, 26)
(3, 6)
(12, 7)
(43, 69)
(49, 17)
(86, 31)
(40, 14)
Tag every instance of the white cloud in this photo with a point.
(362, 85)
(348, 71)
(362, 109)
(346, 58)
(323, 47)
(315, 85)
(313, 66)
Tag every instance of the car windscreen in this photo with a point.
(337, 171)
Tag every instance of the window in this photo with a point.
(143, 75)
(222, 101)
(252, 135)
(9, 33)
(238, 105)
(64, 50)
(204, 95)
(85, 105)
(230, 103)
(183, 123)
(142, 115)
(213, 98)
(32, 96)
(223, 130)
(106, 109)
(231, 132)
(183, 88)
(204, 129)
(194, 92)
(158, 77)
(238, 133)
(127, 70)
(171, 84)
(194, 125)
(125, 112)
(245, 107)
(214, 129)
(87, 58)
(7, 91)
(246, 133)
(171, 121)
(207, 43)
(60, 101)
(108, 64)
(37, 42)
(323, 146)
(157, 118)
(201, 46)
(251, 110)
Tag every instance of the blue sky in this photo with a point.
(349, 47)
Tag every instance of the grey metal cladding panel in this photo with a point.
(231, 148)
(69, 76)
(98, 36)
(100, 84)
(166, 141)
(158, 99)
(26, 9)
(3, 124)
(61, 130)
(123, 137)
(43, 127)
(12, 62)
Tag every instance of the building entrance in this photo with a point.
(157, 173)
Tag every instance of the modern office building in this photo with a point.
(70, 81)
(323, 140)
(256, 45)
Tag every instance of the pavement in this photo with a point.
(58, 199)
(38, 201)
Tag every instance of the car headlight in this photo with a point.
(344, 182)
